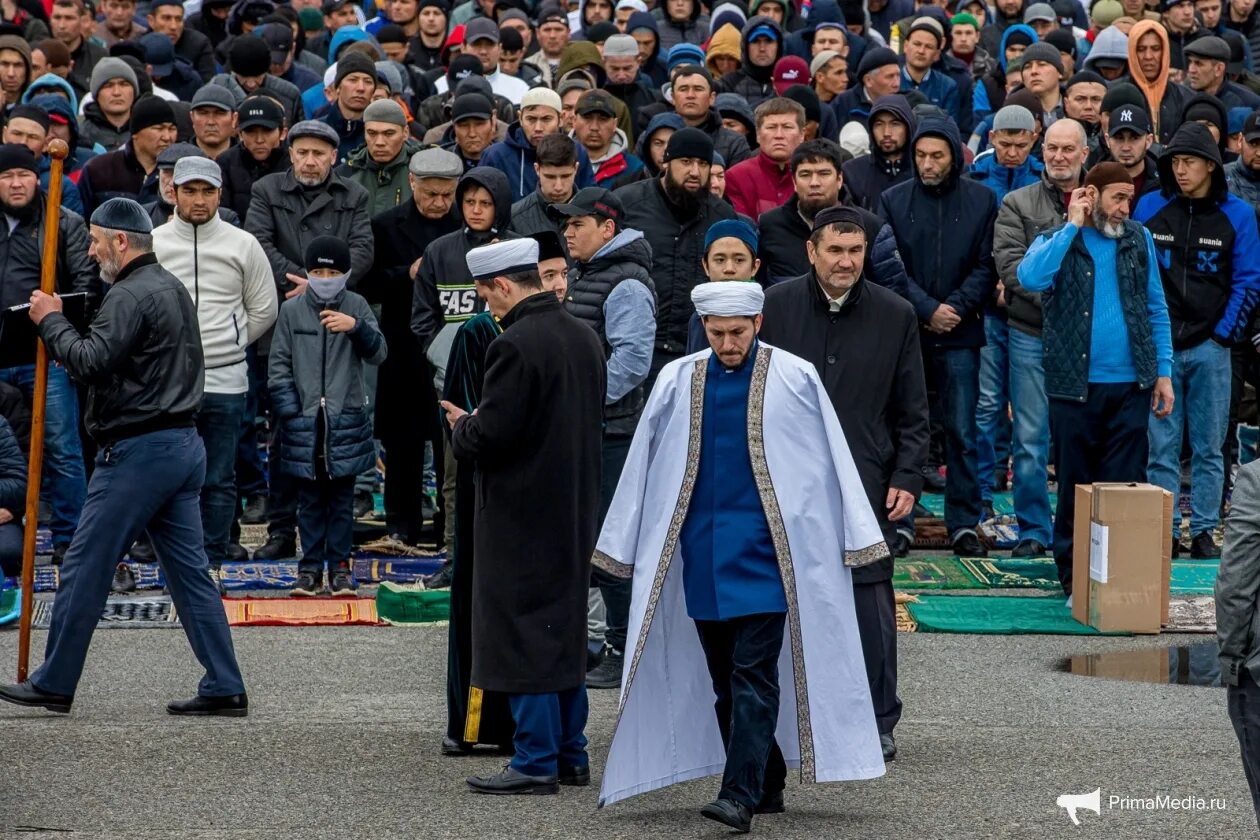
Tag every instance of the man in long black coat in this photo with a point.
(864, 341)
(407, 414)
(536, 439)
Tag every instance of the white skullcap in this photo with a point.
(330, 75)
(500, 258)
(728, 298)
(542, 96)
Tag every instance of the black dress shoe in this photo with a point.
(729, 812)
(933, 481)
(237, 553)
(512, 782)
(1203, 547)
(889, 746)
(771, 803)
(452, 747)
(236, 705)
(142, 550)
(277, 547)
(25, 694)
(1029, 548)
(967, 544)
(575, 776)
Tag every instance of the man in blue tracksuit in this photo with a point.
(1209, 258)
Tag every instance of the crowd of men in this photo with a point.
(1065, 198)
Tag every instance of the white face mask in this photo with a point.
(327, 288)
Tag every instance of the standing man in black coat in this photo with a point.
(406, 411)
(536, 439)
(864, 341)
(674, 212)
(891, 125)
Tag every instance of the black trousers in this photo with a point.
(877, 627)
(1244, 713)
(743, 658)
(615, 590)
(1101, 439)
(325, 520)
(404, 482)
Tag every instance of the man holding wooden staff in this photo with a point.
(142, 362)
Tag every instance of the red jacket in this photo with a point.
(759, 184)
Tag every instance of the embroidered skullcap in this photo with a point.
(728, 299)
(500, 258)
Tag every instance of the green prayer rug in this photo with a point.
(997, 615)
(397, 604)
(932, 573)
(1003, 503)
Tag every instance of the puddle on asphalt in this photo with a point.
(1181, 665)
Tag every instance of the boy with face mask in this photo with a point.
(322, 339)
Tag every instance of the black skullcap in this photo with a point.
(549, 247)
(391, 33)
(34, 113)
(1086, 77)
(122, 214)
(17, 156)
(510, 40)
(837, 215)
(875, 59)
(328, 252)
(249, 56)
(1019, 36)
(689, 143)
(808, 98)
(1122, 93)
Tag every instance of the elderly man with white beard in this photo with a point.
(1102, 380)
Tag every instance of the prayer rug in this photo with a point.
(10, 605)
(395, 569)
(412, 605)
(121, 613)
(1196, 614)
(255, 575)
(148, 576)
(1013, 573)
(299, 612)
(932, 573)
(997, 615)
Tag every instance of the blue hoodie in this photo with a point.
(982, 103)
(515, 158)
(1003, 179)
(66, 109)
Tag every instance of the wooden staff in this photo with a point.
(57, 150)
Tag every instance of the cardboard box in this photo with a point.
(1121, 559)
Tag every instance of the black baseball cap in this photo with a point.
(471, 106)
(1128, 117)
(1251, 126)
(260, 111)
(591, 201)
(595, 102)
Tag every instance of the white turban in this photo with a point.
(497, 259)
(728, 298)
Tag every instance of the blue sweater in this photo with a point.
(1110, 359)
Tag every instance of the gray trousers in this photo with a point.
(1244, 713)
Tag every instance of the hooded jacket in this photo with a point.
(801, 42)
(990, 93)
(867, 177)
(515, 158)
(672, 32)
(653, 66)
(750, 81)
(1244, 182)
(945, 236)
(386, 183)
(1208, 249)
(618, 166)
(991, 35)
(1111, 44)
(444, 293)
(1165, 99)
(725, 42)
(643, 147)
(96, 129)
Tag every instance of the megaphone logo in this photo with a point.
(1085, 801)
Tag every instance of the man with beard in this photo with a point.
(891, 123)
(819, 184)
(1209, 251)
(287, 210)
(21, 249)
(406, 415)
(142, 357)
(227, 273)
(260, 151)
(1129, 141)
(132, 170)
(1108, 370)
(556, 168)
(674, 212)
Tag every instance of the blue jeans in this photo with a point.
(955, 373)
(219, 424)
(325, 520)
(993, 426)
(549, 732)
(65, 479)
(152, 479)
(1201, 385)
(1030, 436)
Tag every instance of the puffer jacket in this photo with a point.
(945, 236)
(386, 183)
(1003, 179)
(529, 216)
(1243, 182)
(1025, 214)
(141, 359)
(12, 471)
(670, 33)
(750, 81)
(94, 128)
(515, 158)
(315, 379)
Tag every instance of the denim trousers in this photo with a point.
(955, 373)
(1201, 383)
(219, 424)
(993, 424)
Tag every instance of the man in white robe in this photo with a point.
(739, 515)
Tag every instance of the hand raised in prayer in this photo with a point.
(453, 412)
(1162, 397)
(899, 504)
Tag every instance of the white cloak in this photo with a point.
(821, 523)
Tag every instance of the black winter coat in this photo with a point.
(529, 216)
(12, 472)
(112, 175)
(945, 236)
(536, 439)
(141, 358)
(870, 363)
(195, 48)
(240, 171)
(677, 248)
(21, 254)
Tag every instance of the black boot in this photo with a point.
(278, 547)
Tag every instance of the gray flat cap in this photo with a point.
(168, 157)
(198, 169)
(435, 163)
(314, 128)
(214, 96)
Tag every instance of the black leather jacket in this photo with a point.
(141, 358)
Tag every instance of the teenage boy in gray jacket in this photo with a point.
(323, 338)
